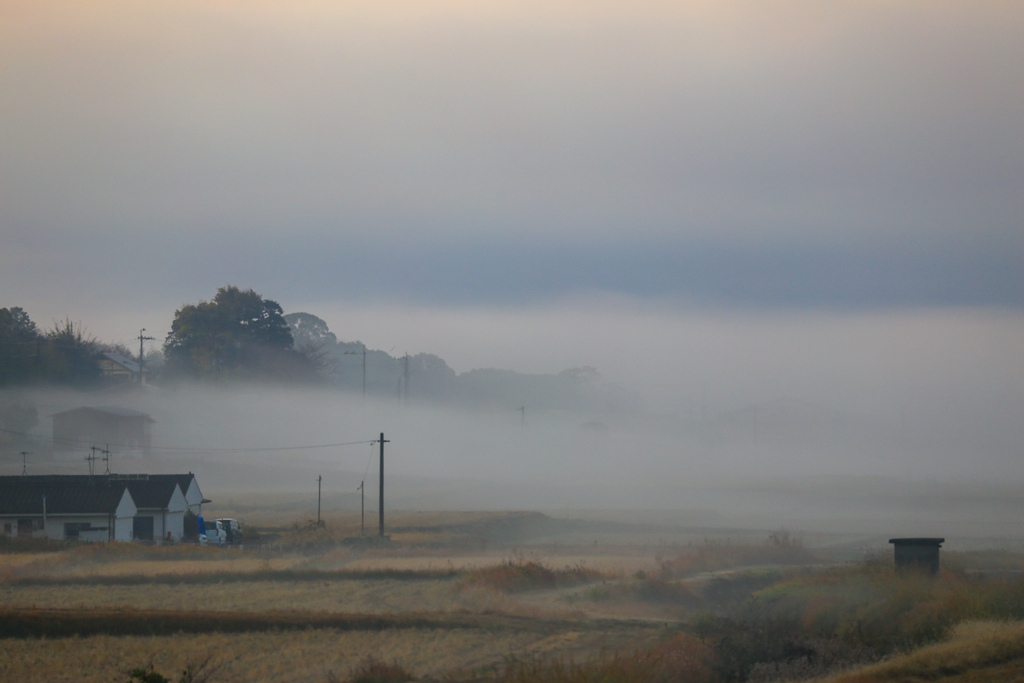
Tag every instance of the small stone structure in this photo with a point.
(917, 554)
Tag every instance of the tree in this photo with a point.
(20, 344)
(70, 355)
(315, 342)
(307, 328)
(238, 335)
(65, 354)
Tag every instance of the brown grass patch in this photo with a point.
(977, 651)
(518, 573)
(307, 655)
(326, 595)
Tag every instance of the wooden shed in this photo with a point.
(917, 554)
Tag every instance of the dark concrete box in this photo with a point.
(917, 554)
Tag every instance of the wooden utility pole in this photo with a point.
(382, 442)
(405, 379)
(362, 510)
(353, 353)
(142, 339)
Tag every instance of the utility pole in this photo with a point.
(319, 478)
(382, 442)
(353, 353)
(142, 339)
(405, 378)
(362, 510)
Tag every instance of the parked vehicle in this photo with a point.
(232, 530)
(225, 531)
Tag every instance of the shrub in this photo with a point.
(373, 670)
(519, 574)
(682, 659)
(779, 548)
(643, 589)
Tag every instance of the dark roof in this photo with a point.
(113, 411)
(182, 480)
(65, 494)
(152, 492)
(122, 360)
(917, 541)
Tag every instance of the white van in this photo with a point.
(232, 530)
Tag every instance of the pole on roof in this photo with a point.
(24, 463)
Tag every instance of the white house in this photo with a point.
(190, 487)
(161, 507)
(66, 507)
(109, 507)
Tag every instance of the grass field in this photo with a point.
(445, 600)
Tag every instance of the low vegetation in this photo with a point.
(520, 573)
(717, 612)
(781, 548)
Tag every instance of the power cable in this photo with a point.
(183, 449)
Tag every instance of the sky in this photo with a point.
(819, 201)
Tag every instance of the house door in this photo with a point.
(142, 528)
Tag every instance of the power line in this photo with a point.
(193, 449)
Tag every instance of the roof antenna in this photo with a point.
(106, 457)
(24, 467)
(91, 459)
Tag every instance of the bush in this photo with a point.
(780, 548)
(682, 659)
(519, 574)
(373, 670)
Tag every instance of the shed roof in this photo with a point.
(112, 411)
(917, 541)
(122, 360)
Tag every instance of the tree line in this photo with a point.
(241, 336)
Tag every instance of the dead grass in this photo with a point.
(521, 573)
(363, 596)
(296, 656)
(975, 652)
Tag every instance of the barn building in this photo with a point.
(81, 428)
(98, 508)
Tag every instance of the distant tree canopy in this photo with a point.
(238, 335)
(20, 344)
(62, 355)
(307, 328)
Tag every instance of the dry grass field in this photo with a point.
(292, 656)
(475, 597)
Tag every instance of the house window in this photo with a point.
(71, 529)
(8, 529)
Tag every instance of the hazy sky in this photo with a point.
(819, 200)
